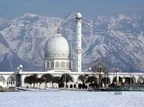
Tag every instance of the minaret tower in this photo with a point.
(78, 42)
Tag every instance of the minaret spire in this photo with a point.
(79, 42)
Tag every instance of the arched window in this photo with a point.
(140, 80)
(2, 79)
(47, 65)
(70, 65)
(67, 65)
(57, 64)
(10, 80)
(62, 64)
(52, 64)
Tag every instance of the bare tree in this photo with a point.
(65, 78)
(40, 81)
(82, 78)
(28, 80)
(47, 78)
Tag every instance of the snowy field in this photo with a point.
(71, 99)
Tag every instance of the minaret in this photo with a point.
(78, 42)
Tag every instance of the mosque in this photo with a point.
(58, 61)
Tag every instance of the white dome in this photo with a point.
(78, 15)
(57, 47)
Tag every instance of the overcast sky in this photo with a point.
(89, 8)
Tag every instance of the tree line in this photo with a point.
(48, 78)
(62, 80)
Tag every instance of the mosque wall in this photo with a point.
(9, 79)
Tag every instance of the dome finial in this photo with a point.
(58, 30)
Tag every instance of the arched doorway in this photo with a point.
(57, 64)
(105, 81)
(120, 79)
(140, 80)
(129, 80)
(10, 81)
(2, 80)
(18, 80)
(62, 64)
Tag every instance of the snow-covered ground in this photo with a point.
(71, 99)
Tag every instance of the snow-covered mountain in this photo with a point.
(116, 40)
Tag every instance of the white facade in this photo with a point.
(12, 79)
(7, 79)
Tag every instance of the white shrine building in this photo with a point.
(58, 61)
